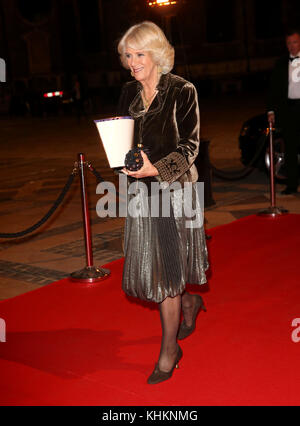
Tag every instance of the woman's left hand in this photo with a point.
(145, 171)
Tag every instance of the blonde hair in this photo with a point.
(149, 37)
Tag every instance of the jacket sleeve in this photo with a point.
(175, 164)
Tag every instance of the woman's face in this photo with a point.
(141, 65)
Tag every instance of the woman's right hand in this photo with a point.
(146, 170)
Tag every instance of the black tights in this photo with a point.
(170, 319)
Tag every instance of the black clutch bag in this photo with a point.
(134, 160)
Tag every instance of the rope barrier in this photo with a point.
(95, 172)
(56, 203)
(240, 174)
(98, 176)
(47, 215)
(90, 274)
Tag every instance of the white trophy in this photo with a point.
(116, 134)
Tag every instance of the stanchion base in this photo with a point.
(272, 211)
(90, 274)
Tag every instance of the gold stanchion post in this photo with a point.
(273, 210)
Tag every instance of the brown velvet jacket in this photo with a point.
(169, 129)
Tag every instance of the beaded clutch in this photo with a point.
(134, 160)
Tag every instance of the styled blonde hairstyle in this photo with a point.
(149, 37)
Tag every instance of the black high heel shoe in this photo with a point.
(158, 376)
(184, 330)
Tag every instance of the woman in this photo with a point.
(161, 253)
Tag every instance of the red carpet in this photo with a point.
(68, 344)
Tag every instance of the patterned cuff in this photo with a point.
(171, 167)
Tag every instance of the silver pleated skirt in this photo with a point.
(163, 250)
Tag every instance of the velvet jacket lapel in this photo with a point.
(170, 127)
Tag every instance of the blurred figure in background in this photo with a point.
(284, 105)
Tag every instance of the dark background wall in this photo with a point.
(220, 45)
